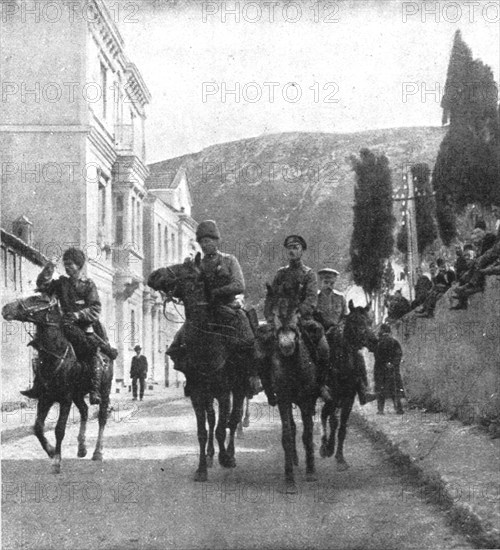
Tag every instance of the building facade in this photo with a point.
(72, 144)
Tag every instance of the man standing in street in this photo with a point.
(138, 371)
(388, 383)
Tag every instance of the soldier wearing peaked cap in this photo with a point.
(332, 306)
(297, 277)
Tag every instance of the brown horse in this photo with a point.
(213, 369)
(294, 377)
(64, 379)
(345, 346)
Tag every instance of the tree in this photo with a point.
(467, 165)
(372, 239)
(425, 211)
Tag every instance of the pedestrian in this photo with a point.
(138, 371)
(422, 288)
(388, 383)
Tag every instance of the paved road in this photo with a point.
(143, 497)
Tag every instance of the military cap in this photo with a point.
(291, 239)
(74, 255)
(137, 348)
(328, 271)
(207, 228)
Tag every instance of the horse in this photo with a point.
(65, 380)
(213, 371)
(345, 345)
(294, 377)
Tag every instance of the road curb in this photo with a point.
(461, 514)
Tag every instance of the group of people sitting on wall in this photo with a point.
(475, 261)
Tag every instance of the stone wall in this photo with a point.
(451, 363)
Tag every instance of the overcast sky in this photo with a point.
(357, 65)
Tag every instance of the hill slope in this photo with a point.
(261, 189)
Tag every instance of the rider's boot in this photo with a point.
(111, 352)
(95, 380)
(323, 354)
(35, 391)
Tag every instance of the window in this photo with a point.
(172, 240)
(132, 328)
(4, 263)
(11, 270)
(133, 222)
(159, 246)
(167, 259)
(101, 207)
(119, 219)
(138, 229)
(104, 88)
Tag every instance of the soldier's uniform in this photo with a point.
(298, 283)
(79, 301)
(330, 312)
(223, 281)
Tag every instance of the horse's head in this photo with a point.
(179, 280)
(357, 326)
(285, 311)
(35, 309)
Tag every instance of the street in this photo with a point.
(143, 494)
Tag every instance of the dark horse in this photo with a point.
(211, 370)
(65, 379)
(345, 346)
(294, 378)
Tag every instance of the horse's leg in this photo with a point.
(43, 409)
(286, 440)
(84, 414)
(211, 428)
(246, 419)
(64, 409)
(199, 405)
(225, 460)
(344, 417)
(235, 422)
(103, 418)
(335, 407)
(325, 412)
(293, 428)
(245, 422)
(307, 412)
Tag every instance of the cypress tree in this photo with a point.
(372, 239)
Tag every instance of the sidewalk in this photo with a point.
(454, 465)
(18, 421)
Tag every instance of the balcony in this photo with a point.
(128, 142)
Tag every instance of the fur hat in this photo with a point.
(74, 255)
(207, 228)
(295, 239)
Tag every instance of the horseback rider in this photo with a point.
(298, 278)
(331, 311)
(223, 282)
(81, 307)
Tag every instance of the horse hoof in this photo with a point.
(311, 476)
(56, 468)
(210, 461)
(291, 488)
(322, 451)
(82, 453)
(200, 476)
(239, 434)
(246, 422)
(97, 456)
(295, 460)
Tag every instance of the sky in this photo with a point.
(305, 66)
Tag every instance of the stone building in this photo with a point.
(72, 144)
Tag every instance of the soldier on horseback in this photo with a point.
(224, 280)
(300, 281)
(331, 311)
(81, 306)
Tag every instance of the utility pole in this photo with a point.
(408, 198)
